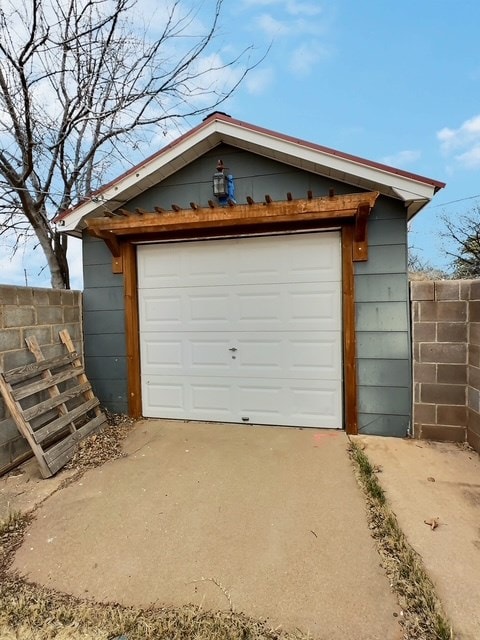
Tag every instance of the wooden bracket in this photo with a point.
(360, 243)
(115, 247)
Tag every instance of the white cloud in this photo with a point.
(259, 80)
(402, 158)
(271, 26)
(463, 143)
(292, 7)
(305, 57)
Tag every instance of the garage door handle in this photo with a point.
(233, 349)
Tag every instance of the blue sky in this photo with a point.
(394, 82)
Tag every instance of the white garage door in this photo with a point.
(243, 330)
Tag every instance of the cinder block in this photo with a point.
(10, 339)
(454, 353)
(452, 415)
(475, 290)
(443, 433)
(40, 297)
(8, 294)
(443, 311)
(474, 355)
(473, 399)
(435, 393)
(12, 359)
(73, 330)
(474, 311)
(447, 290)
(421, 290)
(424, 413)
(474, 333)
(452, 374)
(8, 430)
(25, 296)
(71, 314)
(424, 331)
(473, 421)
(43, 334)
(465, 289)
(415, 311)
(18, 447)
(14, 316)
(424, 372)
(474, 377)
(53, 350)
(49, 315)
(452, 331)
(54, 297)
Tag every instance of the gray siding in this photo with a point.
(104, 326)
(383, 325)
(383, 339)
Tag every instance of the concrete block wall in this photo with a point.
(473, 373)
(25, 311)
(446, 360)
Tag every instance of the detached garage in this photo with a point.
(282, 299)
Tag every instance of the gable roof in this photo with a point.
(414, 190)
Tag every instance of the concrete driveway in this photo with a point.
(267, 519)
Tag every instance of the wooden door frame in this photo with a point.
(347, 233)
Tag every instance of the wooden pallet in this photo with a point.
(52, 404)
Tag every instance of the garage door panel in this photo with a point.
(311, 404)
(282, 355)
(303, 258)
(276, 307)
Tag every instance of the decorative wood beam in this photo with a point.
(289, 196)
(250, 200)
(194, 206)
(268, 199)
(178, 222)
(159, 210)
(175, 207)
(310, 195)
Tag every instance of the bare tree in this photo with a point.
(83, 87)
(462, 234)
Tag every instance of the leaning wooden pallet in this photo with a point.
(52, 404)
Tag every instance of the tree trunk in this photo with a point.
(55, 250)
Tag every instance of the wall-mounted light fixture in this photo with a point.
(220, 181)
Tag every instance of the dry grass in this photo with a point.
(423, 616)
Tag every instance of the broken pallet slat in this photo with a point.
(59, 407)
(57, 425)
(45, 383)
(35, 368)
